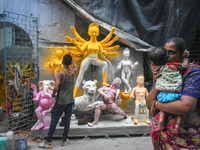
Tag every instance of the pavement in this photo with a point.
(111, 134)
(139, 141)
(99, 143)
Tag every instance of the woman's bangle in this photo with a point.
(155, 103)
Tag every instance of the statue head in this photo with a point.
(93, 29)
(126, 52)
(117, 82)
(59, 51)
(140, 79)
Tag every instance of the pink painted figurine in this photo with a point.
(46, 102)
(111, 95)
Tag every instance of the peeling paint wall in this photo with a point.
(54, 18)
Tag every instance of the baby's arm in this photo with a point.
(185, 62)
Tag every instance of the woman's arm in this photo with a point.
(183, 106)
(153, 93)
(151, 97)
(179, 107)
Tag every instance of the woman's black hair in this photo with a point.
(67, 59)
(179, 43)
(159, 56)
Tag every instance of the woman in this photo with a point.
(188, 105)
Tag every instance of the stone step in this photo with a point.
(109, 125)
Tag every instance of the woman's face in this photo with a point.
(172, 52)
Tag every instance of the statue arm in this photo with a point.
(78, 37)
(101, 91)
(111, 48)
(51, 64)
(108, 37)
(135, 64)
(35, 99)
(74, 51)
(111, 53)
(111, 42)
(34, 90)
(119, 65)
(81, 49)
(132, 94)
(102, 51)
(73, 41)
(99, 103)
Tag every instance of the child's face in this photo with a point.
(172, 52)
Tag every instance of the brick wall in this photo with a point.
(195, 50)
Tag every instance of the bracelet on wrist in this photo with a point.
(155, 103)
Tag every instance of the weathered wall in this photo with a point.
(54, 21)
(54, 18)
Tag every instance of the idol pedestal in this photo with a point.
(109, 125)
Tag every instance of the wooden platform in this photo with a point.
(109, 125)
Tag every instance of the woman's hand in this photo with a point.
(156, 74)
(154, 110)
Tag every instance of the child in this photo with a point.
(64, 88)
(169, 83)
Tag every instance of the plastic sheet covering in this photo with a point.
(143, 24)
